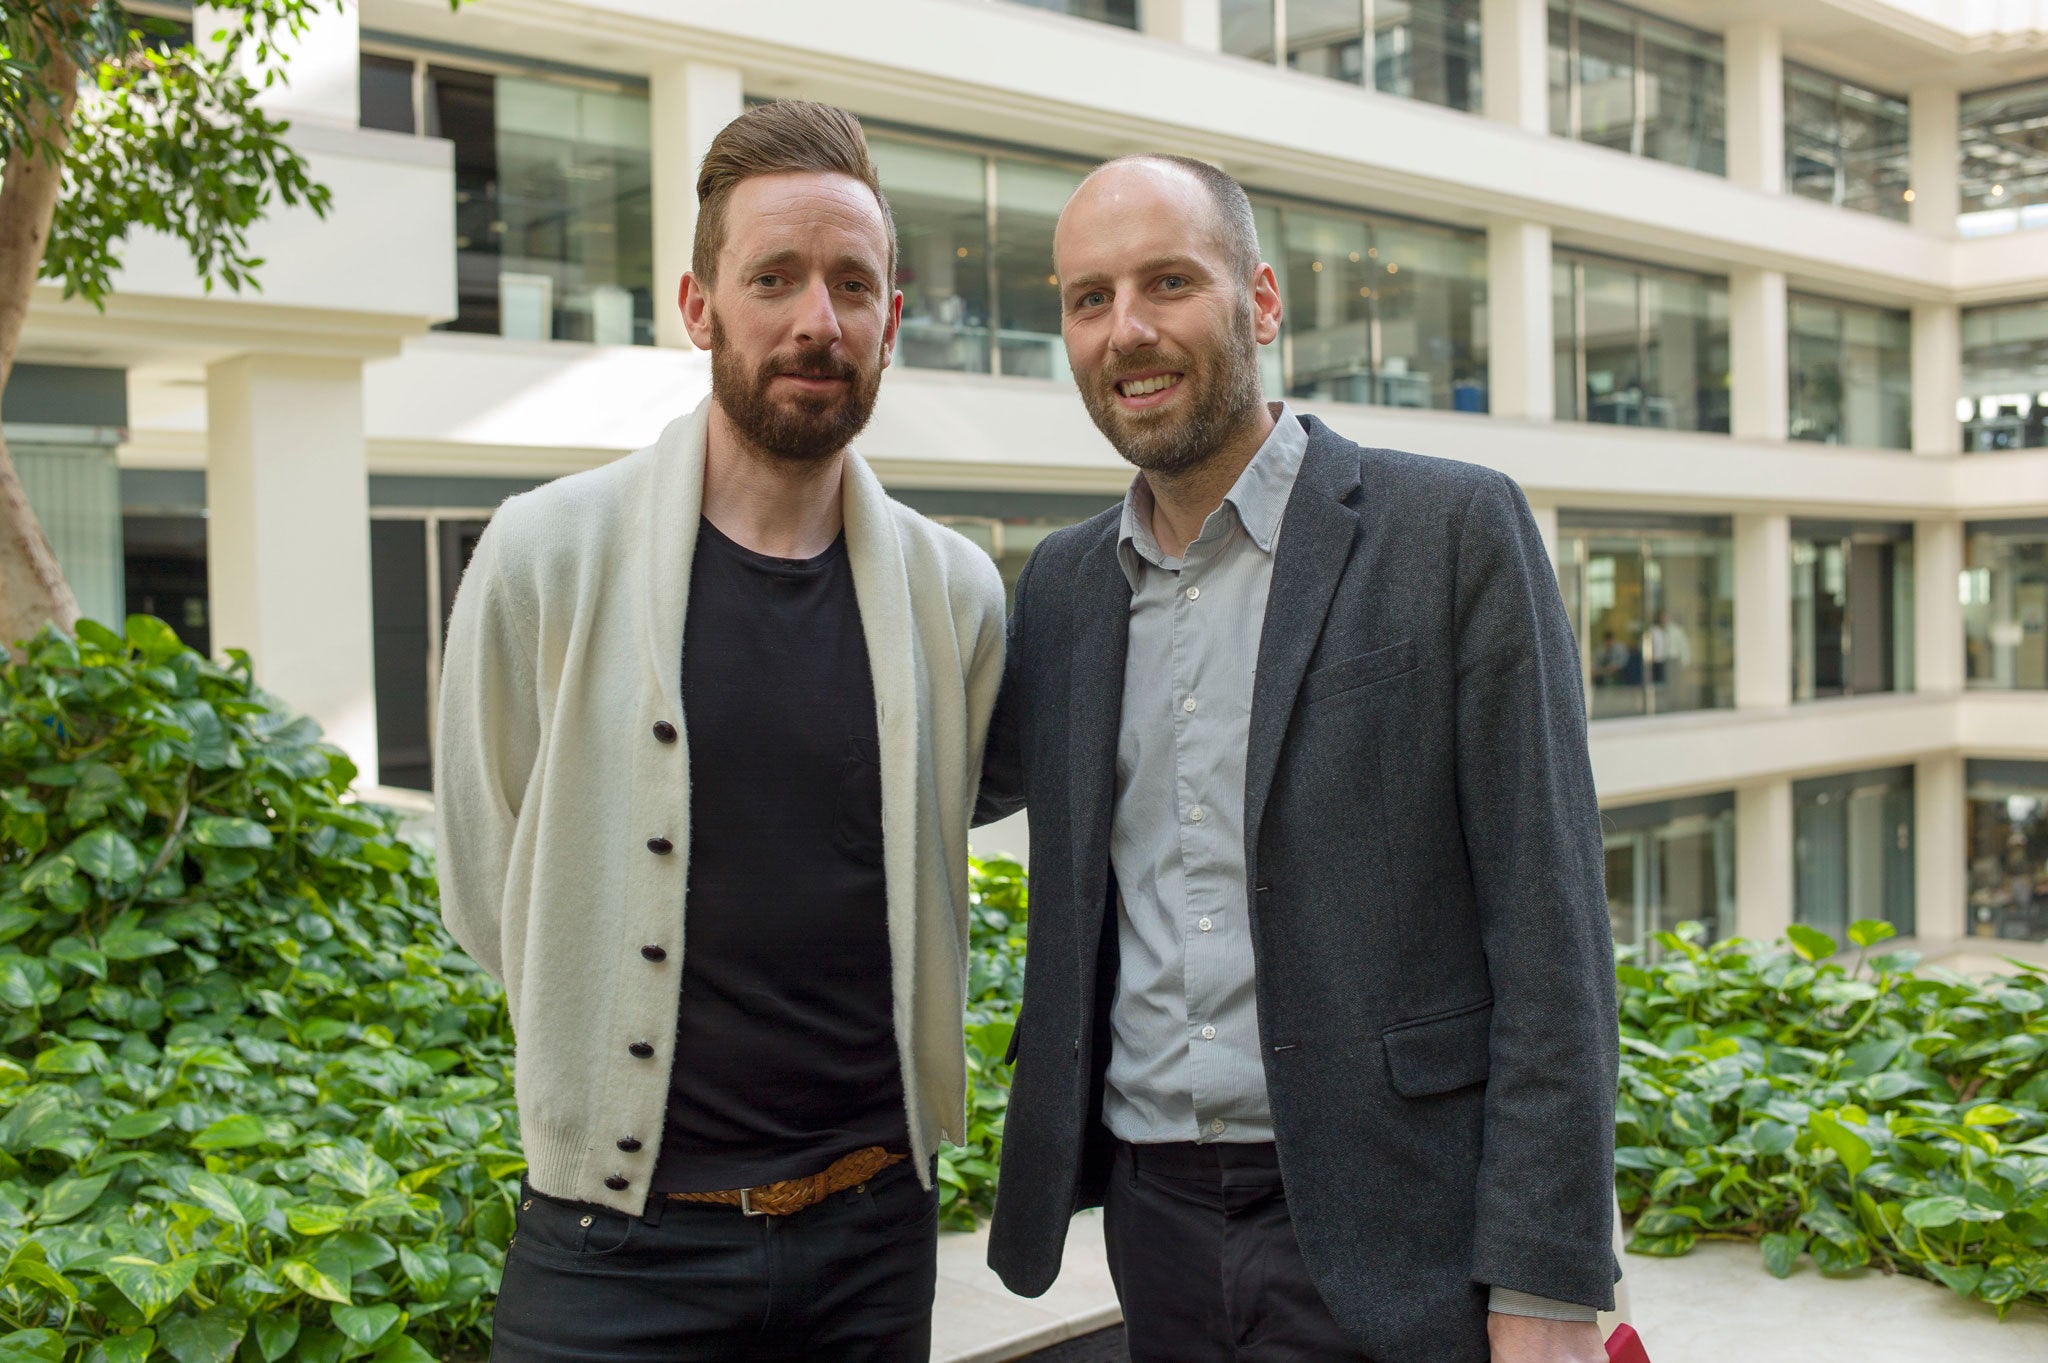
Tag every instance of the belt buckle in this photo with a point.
(747, 1203)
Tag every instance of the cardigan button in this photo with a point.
(641, 1050)
(629, 1145)
(618, 1183)
(661, 847)
(664, 731)
(654, 953)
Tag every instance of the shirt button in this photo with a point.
(1205, 925)
(661, 847)
(1216, 1127)
(654, 953)
(1194, 593)
(640, 1050)
(628, 1144)
(1196, 815)
(664, 731)
(1188, 705)
(618, 1183)
(1208, 1034)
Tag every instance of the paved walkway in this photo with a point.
(1713, 1306)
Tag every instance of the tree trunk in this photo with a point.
(33, 591)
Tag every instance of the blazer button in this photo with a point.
(654, 953)
(664, 731)
(641, 1050)
(629, 1145)
(661, 847)
(618, 1183)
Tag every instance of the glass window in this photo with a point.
(1845, 145)
(1327, 38)
(2008, 815)
(1029, 197)
(1670, 862)
(1248, 28)
(939, 198)
(2005, 377)
(554, 235)
(1638, 345)
(1653, 607)
(1852, 379)
(1852, 850)
(1008, 525)
(385, 90)
(1626, 80)
(1427, 50)
(163, 562)
(2005, 160)
(1122, 13)
(2005, 605)
(1852, 609)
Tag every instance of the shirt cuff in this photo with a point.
(1508, 1302)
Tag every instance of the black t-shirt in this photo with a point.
(785, 1043)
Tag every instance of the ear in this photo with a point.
(695, 301)
(891, 326)
(1265, 305)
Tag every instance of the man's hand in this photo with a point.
(1531, 1339)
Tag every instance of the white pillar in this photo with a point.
(1756, 105)
(1195, 23)
(1519, 356)
(1763, 859)
(1546, 525)
(1937, 378)
(688, 102)
(1763, 611)
(1941, 853)
(321, 65)
(1759, 355)
(288, 536)
(1937, 606)
(1934, 159)
(1514, 51)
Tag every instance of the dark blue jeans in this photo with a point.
(848, 1279)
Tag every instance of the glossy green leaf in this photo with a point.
(1781, 1252)
(68, 1195)
(365, 1324)
(210, 1336)
(231, 1133)
(219, 830)
(276, 1332)
(1811, 943)
(152, 1286)
(106, 856)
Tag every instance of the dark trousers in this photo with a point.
(1205, 1262)
(850, 1278)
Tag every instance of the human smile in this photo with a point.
(1146, 390)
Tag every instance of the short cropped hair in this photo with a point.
(788, 136)
(1235, 226)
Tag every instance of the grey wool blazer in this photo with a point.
(1428, 908)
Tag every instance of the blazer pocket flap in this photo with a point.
(1436, 1055)
(1348, 674)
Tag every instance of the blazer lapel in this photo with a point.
(1102, 631)
(1315, 543)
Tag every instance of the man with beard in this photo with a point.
(710, 723)
(1320, 1003)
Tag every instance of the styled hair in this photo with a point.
(788, 136)
(1236, 229)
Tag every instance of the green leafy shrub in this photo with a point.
(995, 990)
(252, 1101)
(1860, 1114)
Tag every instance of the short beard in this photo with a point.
(1172, 445)
(802, 429)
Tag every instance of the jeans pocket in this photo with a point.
(562, 1226)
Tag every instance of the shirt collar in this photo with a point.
(1257, 501)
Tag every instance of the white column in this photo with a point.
(1196, 23)
(688, 102)
(1756, 105)
(1514, 51)
(1519, 356)
(321, 65)
(1937, 606)
(1546, 525)
(1941, 854)
(1937, 378)
(288, 536)
(1763, 611)
(1759, 355)
(1763, 859)
(1934, 159)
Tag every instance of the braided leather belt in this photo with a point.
(791, 1195)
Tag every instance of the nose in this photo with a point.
(1130, 330)
(817, 322)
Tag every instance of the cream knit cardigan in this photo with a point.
(564, 651)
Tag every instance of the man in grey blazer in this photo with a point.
(1320, 1003)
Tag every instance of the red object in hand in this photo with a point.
(1626, 1346)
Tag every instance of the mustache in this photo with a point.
(815, 365)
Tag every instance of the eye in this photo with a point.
(1094, 298)
(857, 285)
(768, 281)
(1173, 281)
